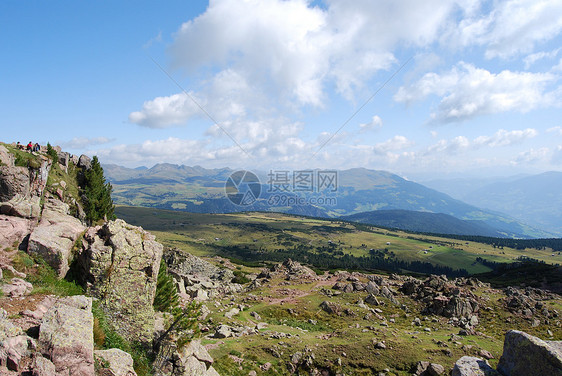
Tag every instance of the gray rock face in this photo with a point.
(13, 349)
(17, 288)
(43, 366)
(114, 362)
(526, 355)
(119, 265)
(66, 336)
(85, 162)
(55, 236)
(471, 366)
(14, 180)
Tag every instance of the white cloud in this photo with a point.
(510, 28)
(506, 138)
(395, 143)
(453, 146)
(555, 130)
(162, 112)
(468, 91)
(531, 156)
(531, 59)
(84, 142)
(375, 123)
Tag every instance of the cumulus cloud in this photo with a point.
(555, 130)
(532, 58)
(506, 138)
(468, 91)
(453, 146)
(84, 142)
(531, 156)
(510, 27)
(375, 123)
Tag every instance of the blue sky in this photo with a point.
(476, 85)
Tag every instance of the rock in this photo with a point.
(435, 369)
(12, 350)
(119, 265)
(7, 328)
(22, 206)
(66, 336)
(42, 366)
(230, 314)
(198, 351)
(255, 315)
(193, 367)
(17, 288)
(471, 366)
(524, 354)
(372, 300)
(85, 162)
(55, 236)
(14, 180)
(486, 354)
(114, 362)
(223, 331)
(331, 308)
(12, 230)
(380, 345)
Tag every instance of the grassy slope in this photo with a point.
(205, 234)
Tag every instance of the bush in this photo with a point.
(52, 153)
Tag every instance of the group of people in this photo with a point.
(31, 147)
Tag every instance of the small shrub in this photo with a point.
(51, 152)
(240, 277)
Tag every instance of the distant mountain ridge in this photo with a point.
(535, 199)
(359, 190)
(437, 223)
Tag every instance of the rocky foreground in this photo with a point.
(285, 320)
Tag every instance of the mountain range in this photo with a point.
(354, 191)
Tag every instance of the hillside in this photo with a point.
(534, 199)
(436, 223)
(358, 190)
(110, 298)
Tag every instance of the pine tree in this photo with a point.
(97, 194)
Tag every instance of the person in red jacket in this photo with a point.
(30, 146)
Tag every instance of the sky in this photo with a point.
(431, 88)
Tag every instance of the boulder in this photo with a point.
(471, 366)
(114, 362)
(66, 336)
(524, 354)
(22, 206)
(12, 230)
(119, 265)
(85, 162)
(14, 180)
(194, 348)
(13, 349)
(55, 236)
(17, 288)
(42, 366)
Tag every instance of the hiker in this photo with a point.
(30, 146)
(36, 147)
(19, 146)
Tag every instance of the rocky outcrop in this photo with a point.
(526, 355)
(192, 360)
(22, 187)
(291, 271)
(17, 288)
(471, 366)
(119, 265)
(12, 231)
(66, 336)
(114, 362)
(55, 236)
(443, 297)
(197, 278)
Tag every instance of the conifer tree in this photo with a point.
(97, 194)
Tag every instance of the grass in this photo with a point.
(208, 234)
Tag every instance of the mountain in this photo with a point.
(352, 191)
(437, 223)
(535, 199)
